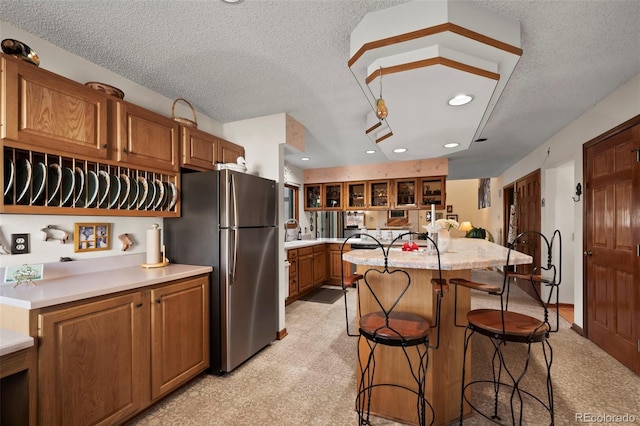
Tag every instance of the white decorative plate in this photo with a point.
(68, 183)
(174, 196)
(125, 189)
(143, 189)
(114, 191)
(151, 196)
(9, 171)
(133, 194)
(54, 180)
(78, 187)
(159, 194)
(104, 183)
(23, 179)
(92, 188)
(38, 182)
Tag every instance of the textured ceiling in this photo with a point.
(259, 57)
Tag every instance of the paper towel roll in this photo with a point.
(153, 245)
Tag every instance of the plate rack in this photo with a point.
(37, 182)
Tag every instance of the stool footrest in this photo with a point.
(351, 280)
(474, 285)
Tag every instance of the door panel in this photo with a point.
(612, 233)
(529, 219)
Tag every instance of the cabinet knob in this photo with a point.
(124, 150)
(138, 305)
(104, 146)
(158, 301)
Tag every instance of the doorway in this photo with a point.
(612, 242)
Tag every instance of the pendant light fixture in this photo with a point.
(381, 108)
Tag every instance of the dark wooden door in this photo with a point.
(527, 192)
(612, 235)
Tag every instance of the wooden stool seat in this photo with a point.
(351, 280)
(402, 329)
(517, 327)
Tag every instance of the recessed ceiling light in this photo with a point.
(400, 150)
(451, 145)
(232, 1)
(460, 100)
(304, 158)
(480, 140)
(371, 151)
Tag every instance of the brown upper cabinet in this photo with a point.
(396, 194)
(43, 109)
(432, 190)
(201, 151)
(355, 195)
(228, 152)
(144, 138)
(404, 193)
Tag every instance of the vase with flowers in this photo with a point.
(440, 228)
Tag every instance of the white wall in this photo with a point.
(566, 146)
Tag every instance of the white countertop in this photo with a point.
(81, 280)
(10, 341)
(464, 253)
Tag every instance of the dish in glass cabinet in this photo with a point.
(23, 180)
(92, 188)
(9, 172)
(38, 182)
(133, 194)
(104, 183)
(79, 186)
(159, 194)
(143, 189)
(54, 180)
(114, 191)
(66, 188)
(151, 196)
(174, 196)
(125, 189)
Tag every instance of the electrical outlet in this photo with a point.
(19, 243)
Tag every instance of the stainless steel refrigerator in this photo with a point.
(229, 221)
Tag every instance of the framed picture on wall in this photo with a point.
(91, 237)
(449, 209)
(452, 216)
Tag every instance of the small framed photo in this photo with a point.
(452, 216)
(438, 215)
(92, 237)
(449, 209)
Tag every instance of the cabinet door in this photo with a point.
(355, 195)
(319, 264)
(332, 196)
(179, 333)
(145, 138)
(404, 193)
(92, 366)
(292, 256)
(432, 190)
(313, 196)
(378, 192)
(199, 149)
(229, 152)
(305, 268)
(336, 264)
(43, 109)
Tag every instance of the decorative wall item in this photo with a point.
(23, 274)
(452, 217)
(50, 232)
(92, 237)
(484, 193)
(449, 209)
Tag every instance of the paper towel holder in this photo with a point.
(164, 263)
(154, 236)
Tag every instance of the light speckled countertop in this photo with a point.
(464, 253)
(10, 341)
(70, 281)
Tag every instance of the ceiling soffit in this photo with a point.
(418, 56)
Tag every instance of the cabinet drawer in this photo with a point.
(292, 254)
(319, 249)
(305, 251)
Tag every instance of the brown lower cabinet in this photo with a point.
(104, 360)
(311, 267)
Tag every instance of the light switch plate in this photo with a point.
(19, 243)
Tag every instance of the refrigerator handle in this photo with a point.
(234, 201)
(232, 267)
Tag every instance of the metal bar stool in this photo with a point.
(387, 325)
(507, 325)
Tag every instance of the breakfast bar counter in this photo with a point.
(443, 384)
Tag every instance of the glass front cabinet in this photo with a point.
(332, 196)
(378, 191)
(404, 193)
(432, 190)
(355, 195)
(313, 196)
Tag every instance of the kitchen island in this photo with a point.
(445, 364)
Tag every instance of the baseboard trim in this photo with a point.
(577, 329)
(281, 334)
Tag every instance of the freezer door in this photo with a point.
(247, 200)
(249, 288)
